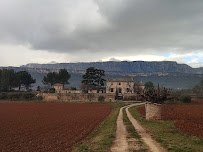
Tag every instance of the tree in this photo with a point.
(38, 88)
(149, 84)
(63, 76)
(198, 89)
(51, 78)
(156, 95)
(93, 78)
(25, 79)
(8, 79)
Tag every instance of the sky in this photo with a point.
(49, 31)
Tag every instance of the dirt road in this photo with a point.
(153, 145)
(121, 144)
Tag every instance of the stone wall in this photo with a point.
(49, 96)
(153, 111)
(75, 97)
(70, 91)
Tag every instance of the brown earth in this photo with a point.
(48, 126)
(187, 117)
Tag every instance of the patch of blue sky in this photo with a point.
(193, 58)
(189, 58)
(167, 55)
(200, 59)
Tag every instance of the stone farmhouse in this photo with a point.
(115, 89)
(124, 88)
(120, 86)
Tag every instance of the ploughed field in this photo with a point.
(187, 117)
(48, 126)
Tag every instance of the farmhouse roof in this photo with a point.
(58, 84)
(139, 84)
(120, 80)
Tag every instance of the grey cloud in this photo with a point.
(126, 26)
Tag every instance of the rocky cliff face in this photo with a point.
(135, 66)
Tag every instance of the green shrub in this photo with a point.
(14, 96)
(185, 98)
(101, 98)
(39, 98)
(28, 96)
(3, 96)
(52, 90)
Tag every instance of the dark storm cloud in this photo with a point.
(104, 26)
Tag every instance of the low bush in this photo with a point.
(3, 96)
(39, 98)
(52, 90)
(101, 98)
(185, 98)
(28, 96)
(14, 96)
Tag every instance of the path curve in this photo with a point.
(153, 145)
(120, 144)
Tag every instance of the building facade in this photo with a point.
(120, 88)
(120, 85)
(59, 88)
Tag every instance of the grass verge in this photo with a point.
(168, 135)
(135, 142)
(102, 139)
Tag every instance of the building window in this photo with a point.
(119, 83)
(128, 89)
(119, 90)
(111, 89)
(111, 83)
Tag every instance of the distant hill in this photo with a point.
(124, 66)
(166, 73)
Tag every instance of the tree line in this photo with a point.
(9, 79)
(92, 79)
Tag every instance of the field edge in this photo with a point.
(168, 135)
(103, 137)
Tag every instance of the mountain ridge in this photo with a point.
(171, 80)
(123, 66)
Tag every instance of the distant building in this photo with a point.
(124, 86)
(121, 88)
(139, 86)
(98, 90)
(120, 85)
(59, 88)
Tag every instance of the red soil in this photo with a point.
(187, 117)
(48, 126)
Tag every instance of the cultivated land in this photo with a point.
(103, 138)
(48, 126)
(187, 117)
(173, 133)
